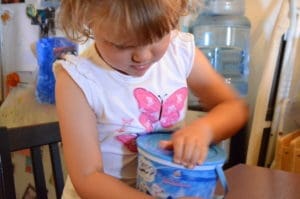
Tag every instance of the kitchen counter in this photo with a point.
(20, 108)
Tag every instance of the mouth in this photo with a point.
(141, 67)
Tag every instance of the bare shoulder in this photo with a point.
(58, 69)
(63, 79)
(67, 92)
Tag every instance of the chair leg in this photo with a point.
(56, 169)
(38, 170)
(7, 184)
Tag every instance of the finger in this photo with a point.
(203, 154)
(166, 144)
(178, 150)
(188, 154)
(195, 157)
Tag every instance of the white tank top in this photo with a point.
(127, 106)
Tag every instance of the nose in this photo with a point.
(142, 54)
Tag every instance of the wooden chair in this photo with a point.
(30, 137)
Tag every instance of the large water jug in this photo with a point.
(222, 32)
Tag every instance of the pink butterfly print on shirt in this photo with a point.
(129, 141)
(155, 109)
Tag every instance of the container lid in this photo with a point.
(149, 143)
(224, 7)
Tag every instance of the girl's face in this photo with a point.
(126, 56)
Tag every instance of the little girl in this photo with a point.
(133, 80)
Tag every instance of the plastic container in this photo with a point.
(224, 39)
(161, 178)
(48, 50)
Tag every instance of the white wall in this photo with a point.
(263, 14)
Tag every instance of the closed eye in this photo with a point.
(120, 46)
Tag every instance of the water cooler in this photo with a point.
(222, 32)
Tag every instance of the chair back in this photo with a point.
(32, 138)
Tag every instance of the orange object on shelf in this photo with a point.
(12, 80)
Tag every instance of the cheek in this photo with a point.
(160, 51)
(113, 57)
(161, 47)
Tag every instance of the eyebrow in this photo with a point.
(121, 45)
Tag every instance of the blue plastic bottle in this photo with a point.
(222, 32)
(48, 50)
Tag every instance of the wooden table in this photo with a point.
(252, 182)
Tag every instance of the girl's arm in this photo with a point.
(226, 114)
(81, 146)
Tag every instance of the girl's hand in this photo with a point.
(190, 144)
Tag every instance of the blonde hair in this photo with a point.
(145, 20)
